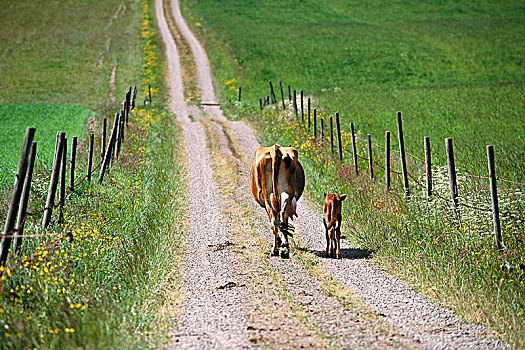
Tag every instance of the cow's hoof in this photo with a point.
(285, 253)
(339, 256)
(274, 253)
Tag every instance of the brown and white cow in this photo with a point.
(332, 223)
(277, 183)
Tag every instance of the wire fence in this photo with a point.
(17, 215)
(309, 121)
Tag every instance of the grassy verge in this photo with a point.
(104, 287)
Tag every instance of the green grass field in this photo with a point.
(454, 68)
(63, 52)
(47, 119)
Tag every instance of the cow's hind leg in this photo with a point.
(284, 245)
(276, 241)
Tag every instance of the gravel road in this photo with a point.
(210, 316)
(216, 316)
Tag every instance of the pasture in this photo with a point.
(64, 52)
(47, 119)
(454, 69)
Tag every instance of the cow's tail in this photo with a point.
(276, 163)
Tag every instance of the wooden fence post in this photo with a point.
(109, 152)
(272, 93)
(123, 129)
(134, 97)
(116, 125)
(22, 211)
(402, 154)
(338, 132)
(387, 159)
(282, 94)
(308, 115)
(295, 102)
(452, 172)
(62, 186)
(289, 93)
(51, 193)
(315, 124)
(322, 128)
(260, 104)
(149, 93)
(428, 166)
(14, 206)
(128, 97)
(302, 108)
(121, 134)
(239, 98)
(125, 112)
(370, 160)
(72, 165)
(354, 148)
(103, 143)
(127, 105)
(494, 197)
(90, 156)
(331, 135)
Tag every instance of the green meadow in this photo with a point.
(47, 119)
(64, 52)
(453, 68)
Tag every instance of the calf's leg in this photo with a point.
(327, 239)
(338, 242)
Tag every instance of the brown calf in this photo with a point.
(332, 223)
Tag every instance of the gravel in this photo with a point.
(211, 314)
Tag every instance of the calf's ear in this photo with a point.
(342, 197)
(324, 194)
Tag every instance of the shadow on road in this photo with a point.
(348, 253)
